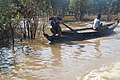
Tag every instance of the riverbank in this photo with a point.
(92, 17)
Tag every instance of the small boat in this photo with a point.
(83, 34)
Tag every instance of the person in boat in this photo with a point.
(97, 25)
(55, 23)
(56, 29)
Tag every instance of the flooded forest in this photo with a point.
(27, 54)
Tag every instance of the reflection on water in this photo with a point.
(35, 60)
(7, 61)
(56, 52)
(98, 52)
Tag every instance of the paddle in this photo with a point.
(59, 19)
(69, 27)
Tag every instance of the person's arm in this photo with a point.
(59, 19)
(99, 23)
(52, 24)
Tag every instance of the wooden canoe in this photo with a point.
(83, 34)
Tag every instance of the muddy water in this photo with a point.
(95, 59)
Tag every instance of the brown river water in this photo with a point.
(95, 59)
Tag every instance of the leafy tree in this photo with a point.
(79, 8)
(59, 7)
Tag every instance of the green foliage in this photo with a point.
(8, 10)
(17, 9)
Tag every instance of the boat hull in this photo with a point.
(83, 34)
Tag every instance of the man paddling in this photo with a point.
(56, 29)
(55, 23)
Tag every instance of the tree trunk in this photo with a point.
(12, 34)
(24, 31)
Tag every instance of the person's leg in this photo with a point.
(101, 28)
(59, 31)
(53, 31)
